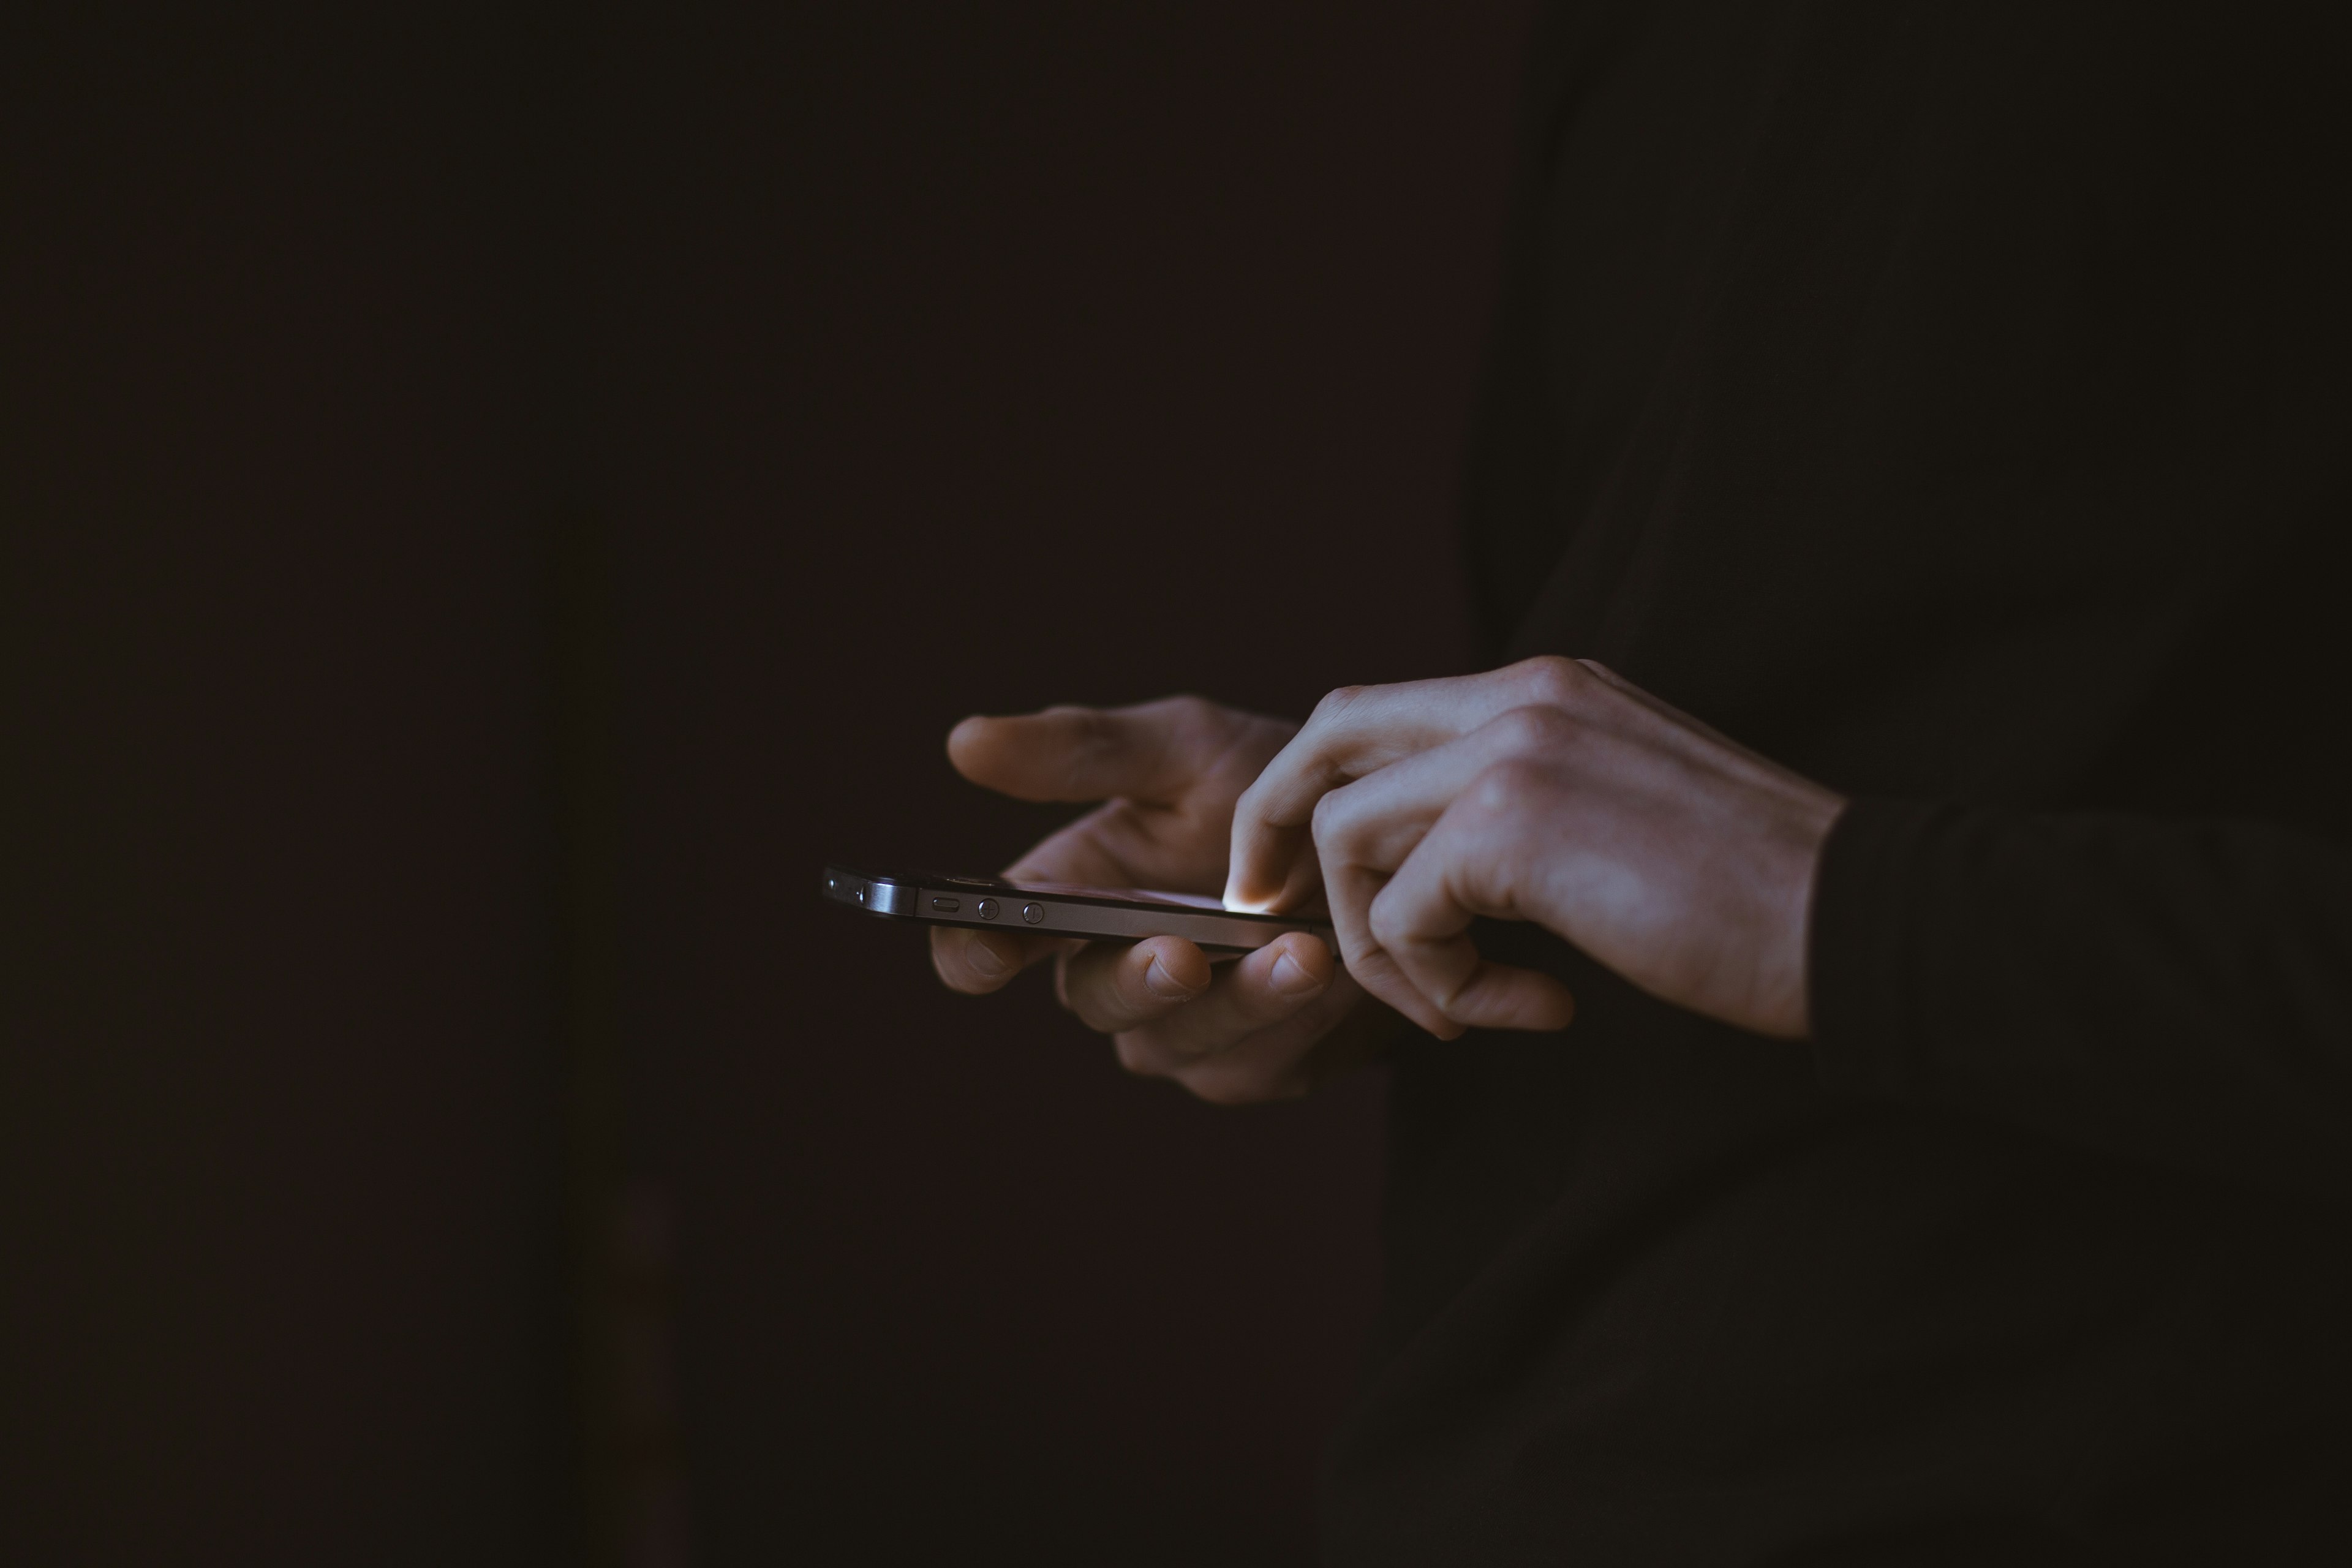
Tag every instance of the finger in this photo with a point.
(1365, 830)
(1332, 1032)
(978, 962)
(1379, 819)
(1351, 890)
(1422, 921)
(1372, 967)
(1149, 752)
(1113, 988)
(1358, 731)
(1264, 989)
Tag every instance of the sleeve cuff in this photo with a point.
(1858, 951)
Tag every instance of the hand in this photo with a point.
(1264, 1026)
(1555, 791)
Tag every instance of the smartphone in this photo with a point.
(1051, 909)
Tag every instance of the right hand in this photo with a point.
(1265, 1026)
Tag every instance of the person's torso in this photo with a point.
(1942, 400)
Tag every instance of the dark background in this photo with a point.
(492, 500)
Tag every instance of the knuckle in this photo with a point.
(1089, 730)
(1255, 1007)
(1190, 710)
(1333, 825)
(1535, 728)
(1362, 954)
(1386, 922)
(1336, 701)
(1553, 679)
(952, 962)
(1084, 720)
(1250, 803)
(1082, 993)
(1504, 789)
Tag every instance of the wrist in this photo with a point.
(1789, 1013)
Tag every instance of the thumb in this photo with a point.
(1152, 752)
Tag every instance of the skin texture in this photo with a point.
(1550, 791)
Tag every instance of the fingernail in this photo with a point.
(1238, 898)
(1290, 977)
(1164, 985)
(984, 960)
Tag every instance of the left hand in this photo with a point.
(1550, 791)
(1265, 1026)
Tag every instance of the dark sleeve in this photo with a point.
(2174, 991)
(1513, 530)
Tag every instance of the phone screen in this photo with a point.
(1073, 890)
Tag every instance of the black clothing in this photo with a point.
(1948, 400)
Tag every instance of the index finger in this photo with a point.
(1151, 751)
